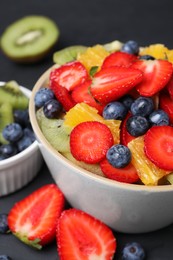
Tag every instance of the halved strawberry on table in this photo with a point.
(111, 83)
(156, 74)
(83, 237)
(119, 59)
(33, 220)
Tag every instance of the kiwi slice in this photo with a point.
(12, 93)
(6, 117)
(68, 54)
(54, 131)
(29, 39)
(113, 46)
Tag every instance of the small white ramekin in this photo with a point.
(20, 169)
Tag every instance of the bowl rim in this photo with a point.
(25, 153)
(43, 80)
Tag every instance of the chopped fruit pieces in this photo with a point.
(69, 75)
(119, 59)
(158, 146)
(82, 94)
(127, 174)
(81, 236)
(82, 112)
(112, 83)
(33, 220)
(158, 51)
(148, 172)
(93, 56)
(125, 137)
(156, 74)
(89, 141)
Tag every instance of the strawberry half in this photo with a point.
(128, 174)
(34, 219)
(81, 94)
(156, 74)
(166, 103)
(119, 59)
(83, 237)
(112, 83)
(169, 87)
(62, 95)
(69, 75)
(158, 146)
(89, 141)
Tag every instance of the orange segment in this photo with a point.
(158, 51)
(93, 56)
(148, 172)
(82, 112)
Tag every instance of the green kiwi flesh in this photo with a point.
(6, 117)
(29, 39)
(68, 54)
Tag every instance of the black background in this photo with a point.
(86, 23)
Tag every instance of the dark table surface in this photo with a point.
(85, 22)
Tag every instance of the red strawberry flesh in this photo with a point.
(158, 146)
(112, 83)
(33, 219)
(83, 237)
(89, 141)
(119, 59)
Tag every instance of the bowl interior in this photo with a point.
(43, 81)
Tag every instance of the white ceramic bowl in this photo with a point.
(20, 169)
(124, 207)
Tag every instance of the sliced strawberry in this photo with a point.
(156, 74)
(119, 59)
(34, 219)
(83, 237)
(169, 87)
(128, 174)
(82, 94)
(89, 141)
(112, 83)
(158, 146)
(166, 103)
(69, 75)
(125, 137)
(62, 95)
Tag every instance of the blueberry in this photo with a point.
(146, 57)
(159, 117)
(2, 157)
(137, 125)
(130, 47)
(142, 106)
(8, 150)
(119, 156)
(12, 132)
(133, 251)
(3, 224)
(127, 100)
(5, 257)
(26, 140)
(115, 110)
(29, 132)
(21, 117)
(42, 96)
(52, 108)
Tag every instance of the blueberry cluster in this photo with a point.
(19, 135)
(143, 116)
(133, 251)
(51, 106)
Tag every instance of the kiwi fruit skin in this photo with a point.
(68, 54)
(29, 39)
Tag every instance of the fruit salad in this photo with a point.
(109, 109)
